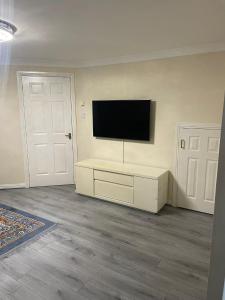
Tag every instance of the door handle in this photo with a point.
(182, 144)
(69, 135)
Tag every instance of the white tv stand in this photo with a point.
(127, 184)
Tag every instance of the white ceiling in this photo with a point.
(92, 32)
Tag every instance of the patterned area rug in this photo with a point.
(18, 227)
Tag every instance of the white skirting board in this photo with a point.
(12, 186)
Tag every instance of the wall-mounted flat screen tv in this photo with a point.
(122, 119)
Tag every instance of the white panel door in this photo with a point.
(47, 106)
(197, 168)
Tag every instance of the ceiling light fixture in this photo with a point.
(7, 31)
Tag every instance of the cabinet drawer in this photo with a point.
(112, 191)
(114, 177)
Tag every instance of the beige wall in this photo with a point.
(184, 89)
(11, 150)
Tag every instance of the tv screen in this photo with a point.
(122, 119)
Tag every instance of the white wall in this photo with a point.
(184, 89)
(224, 291)
(217, 262)
(11, 150)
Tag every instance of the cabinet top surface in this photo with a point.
(129, 169)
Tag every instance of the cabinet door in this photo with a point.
(84, 181)
(146, 194)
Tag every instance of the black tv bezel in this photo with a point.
(146, 139)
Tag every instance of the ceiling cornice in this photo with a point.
(161, 54)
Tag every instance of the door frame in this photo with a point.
(21, 74)
(180, 126)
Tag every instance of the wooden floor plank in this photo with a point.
(101, 250)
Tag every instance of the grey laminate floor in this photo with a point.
(105, 251)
